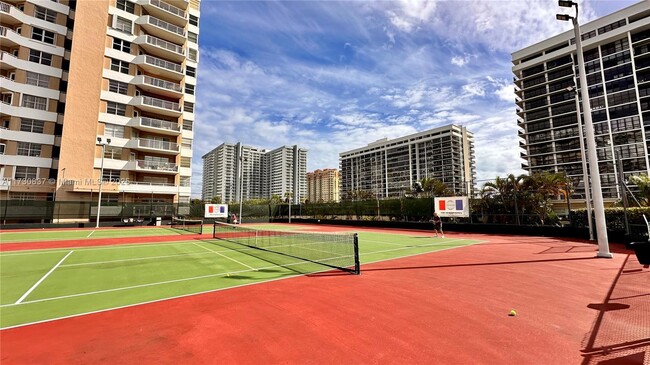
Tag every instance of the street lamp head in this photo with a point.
(564, 17)
(99, 139)
(566, 4)
(108, 141)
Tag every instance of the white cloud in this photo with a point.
(476, 89)
(459, 61)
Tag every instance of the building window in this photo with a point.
(42, 35)
(124, 25)
(185, 181)
(189, 89)
(25, 172)
(118, 87)
(113, 153)
(186, 162)
(32, 125)
(192, 55)
(114, 130)
(115, 108)
(34, 78)
(127, 6)
(194, 20)
(188, 107)
(111, 175)
(3, 147)
(34, 102)
(40, 57)
(187, 125)
(190, 71)
(121, 45)
(186, 143)
(193, 37)
(119, 66)
(45, 14)
(29, 149)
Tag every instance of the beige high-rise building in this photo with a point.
(101, 89)
(323, 185)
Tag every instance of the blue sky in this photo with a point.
(331, 76)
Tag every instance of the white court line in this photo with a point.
(43, 278)
(90, 234)
(135, 259)
(90, 248)
(231, 259)
(151, 284)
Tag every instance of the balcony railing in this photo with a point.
(157, 123)
(3, 31)
(4, 7)
(159, 145)
(169, 8)
(157, 165)
(167, 26)
(164, 64)
(164, 44)
(163, 84)
(159, 103)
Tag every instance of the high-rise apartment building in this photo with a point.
(226, 166)
(323, 185)
(387, 168)
(98, 85)
(616, 51)
(233, 171)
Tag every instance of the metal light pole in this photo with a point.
(585, 172)
(599, 206)
(101, 177)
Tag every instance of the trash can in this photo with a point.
(158, 221)
(642, 251)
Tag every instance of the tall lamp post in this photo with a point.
(599, 206)
(101, 176)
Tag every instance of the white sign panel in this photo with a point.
(216, 211)
(452, 206)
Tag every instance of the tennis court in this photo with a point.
(47, 284)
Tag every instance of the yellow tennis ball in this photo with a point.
(513, 313)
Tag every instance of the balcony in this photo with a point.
(159, 86)
(161, 48)
(162, 29)
(149, 188)
(153, 166)
(158, 106)
(11, 15)
(154, 145)
(163, 10)
(158, 126)
(160, 67)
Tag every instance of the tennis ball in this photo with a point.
(512, 313)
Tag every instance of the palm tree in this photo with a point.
(642, 183)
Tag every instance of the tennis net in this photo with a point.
(339, 251)
(189, 225)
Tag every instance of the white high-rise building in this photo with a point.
(387, 168)
(231, 171)
(616, 51)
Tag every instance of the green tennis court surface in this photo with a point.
(41, 285)
(73, 234)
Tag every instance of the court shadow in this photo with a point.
(616, 337)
